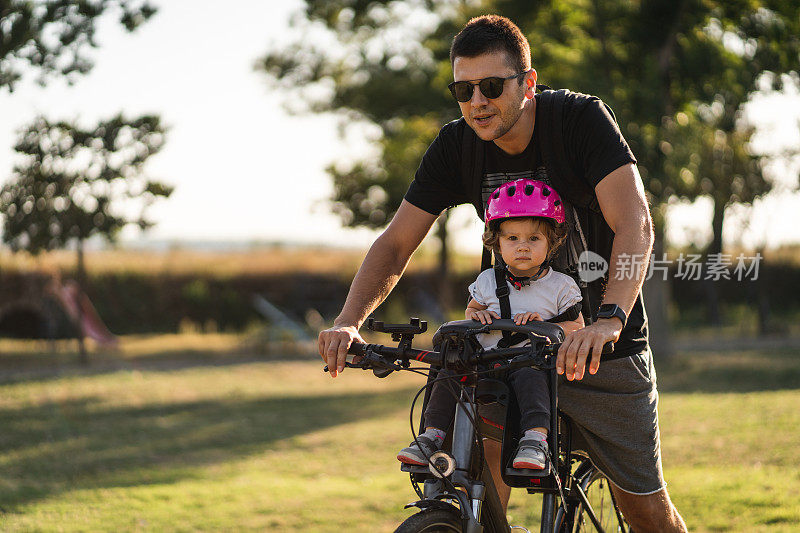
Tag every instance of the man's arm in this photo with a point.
(382, 267)
(624, 205)
(570, 326)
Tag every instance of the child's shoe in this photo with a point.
(418, 454)
(531, 454)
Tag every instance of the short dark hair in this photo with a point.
(555, 233)
(492, 33)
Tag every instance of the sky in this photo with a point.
(244, 169)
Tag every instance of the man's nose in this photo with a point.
(478, 99)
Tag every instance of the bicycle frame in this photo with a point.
(479, 503)
(479, 500)
(470, 482)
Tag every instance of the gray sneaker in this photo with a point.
(418, 455)
(532, 454)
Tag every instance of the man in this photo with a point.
(613, 404)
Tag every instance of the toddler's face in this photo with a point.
(523, 246)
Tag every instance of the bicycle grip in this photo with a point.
(356, 348)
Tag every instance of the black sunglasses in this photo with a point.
(490, 87)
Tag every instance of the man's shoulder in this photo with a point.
(448, 142)
(453, 130)
(574, 102)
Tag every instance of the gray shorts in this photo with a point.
(615, 421)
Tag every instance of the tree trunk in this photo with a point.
(83, 358)
(758, 294)
(712, 292)
(656, 294)
(445, 290)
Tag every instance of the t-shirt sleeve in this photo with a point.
(436, 184)
(569, 295)
(598, 144)
(482, 288)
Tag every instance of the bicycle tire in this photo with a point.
(598, 491)
(431, 521)
(597, 488)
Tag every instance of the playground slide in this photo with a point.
(71, 297)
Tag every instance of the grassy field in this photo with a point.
(197, 433)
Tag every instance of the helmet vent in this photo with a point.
(529, 189)
(497, 195)
(511, 190)
(545, 191)
(557, 203)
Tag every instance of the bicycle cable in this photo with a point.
(556, 474)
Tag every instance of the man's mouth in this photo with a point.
(482, 119)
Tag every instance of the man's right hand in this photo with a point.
(333, 345)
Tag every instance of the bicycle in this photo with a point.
(458, 493)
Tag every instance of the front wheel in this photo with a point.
(598, 491)
(431, 521)
(597, 488)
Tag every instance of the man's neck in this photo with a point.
(519, 136)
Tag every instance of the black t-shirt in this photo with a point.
(594, 147)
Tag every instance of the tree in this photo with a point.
(76, 183)
(720, 167)
(651, 61)
(382, 70)
(52, 36)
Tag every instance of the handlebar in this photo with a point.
(378, 356)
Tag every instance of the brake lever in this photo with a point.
(380, 367)
(347, 365)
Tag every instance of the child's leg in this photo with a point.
(441, 406)
(533, 398)
(438, 416)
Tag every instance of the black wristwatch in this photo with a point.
(611, 311)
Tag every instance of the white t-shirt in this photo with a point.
(550, 295)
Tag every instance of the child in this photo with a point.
(525, 224)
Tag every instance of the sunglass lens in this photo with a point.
(492, 87)
(462, 90)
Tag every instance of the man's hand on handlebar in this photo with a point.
(333, 345)
(575, 349)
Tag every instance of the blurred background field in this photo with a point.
(165, 435)
(195, 290)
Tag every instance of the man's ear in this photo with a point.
(530, 82)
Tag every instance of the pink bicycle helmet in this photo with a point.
(524, 198)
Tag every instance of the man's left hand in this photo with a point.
(577, 346)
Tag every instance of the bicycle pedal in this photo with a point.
(414, 469)
(528, 472)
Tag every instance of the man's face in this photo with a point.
(490, 118)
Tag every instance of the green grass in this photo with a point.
(225, 443)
